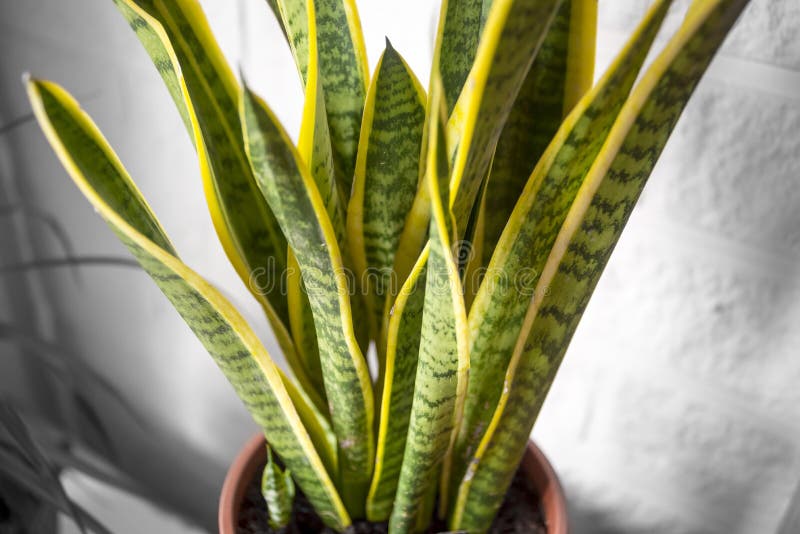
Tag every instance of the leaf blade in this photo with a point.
(513, 33)
(232, 344)
(343, 71)
(402, 349)
(561, 73)
(295, 199)
(443, 360)
(587, 239)
(386, 176)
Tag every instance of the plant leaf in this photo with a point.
(235, 348)
(558, 78)
(443, 361)
(386, 176)
(295, 199)
(343, 71)
(66, 366)
(277, 488)
(513, 33)
(498, 311)
(176, 35)
(314, 147)
(460, 24)
(402, 350)
(43, 477)
(582, 248)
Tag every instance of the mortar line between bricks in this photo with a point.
(759, 75)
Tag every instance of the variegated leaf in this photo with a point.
(277, 488)
(443, 361)
(513, 33)
(402, 350)
(498, 311)
(583, 247)
(343, 71)
(178, 39)
(386, 177)
(559, 77)
(263, 388)
(293, 196)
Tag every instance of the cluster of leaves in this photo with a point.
(36, 451)
(460, 230)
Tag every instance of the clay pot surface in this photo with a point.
(254, 455)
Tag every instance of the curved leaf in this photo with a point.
(262, 387)
(583, 246)
(295, 199)
(177, 37)
(386, 176)
(558, 78)
(498, 311)
(402, 350)
(443, 361)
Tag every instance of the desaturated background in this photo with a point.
(677, 409)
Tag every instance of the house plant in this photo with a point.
(459, 231)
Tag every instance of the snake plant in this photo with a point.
(458, 230)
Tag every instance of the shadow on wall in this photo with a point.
(108, 316)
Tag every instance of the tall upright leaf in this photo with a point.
(513, 33)
(558, 78)
(314, 147)
(498, 311)
(235, 348)
(458, 36)
(400, 368)
(291, 192)
(343, 71)
(582, 248)
(386, 177)
(443, 360)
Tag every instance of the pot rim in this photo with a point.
(534, 464)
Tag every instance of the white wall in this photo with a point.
(676, 408)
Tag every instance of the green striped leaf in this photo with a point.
(291, 192)
(386, 176)
(343, 71)
(178, 39)
(498, 311)
(513, 32)
(560, 75)
(314, 147)
(265, 391)
(277, 488)
(443, 361)
(458, 36)
(402, 349)
(582, 248)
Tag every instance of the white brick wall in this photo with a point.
(677, 406)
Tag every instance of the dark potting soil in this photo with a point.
(516, 515)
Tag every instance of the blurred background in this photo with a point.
(677, 409)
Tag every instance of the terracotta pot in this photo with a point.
(254, 455)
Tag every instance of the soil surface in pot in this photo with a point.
(517, 515)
